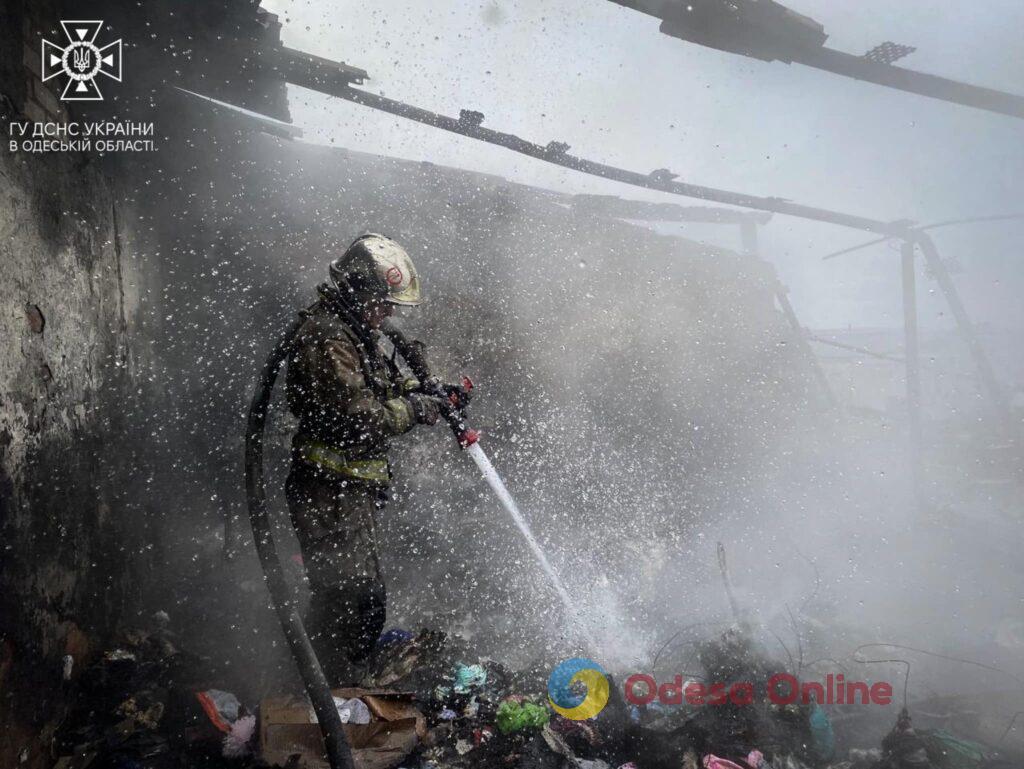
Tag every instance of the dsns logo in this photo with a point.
(570, 703)
(81, 60)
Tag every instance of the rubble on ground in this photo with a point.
(428, 702)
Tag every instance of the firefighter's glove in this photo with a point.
(426, 409)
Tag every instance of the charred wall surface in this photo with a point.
(67, 294)
(76, 256)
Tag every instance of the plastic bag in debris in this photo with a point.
(220, 707)
(952, 752)
(823, 738)
(417, 664)
(712, 761)
(469, 677)
(754, 759)
(239, 741)
(393, 636)
(352, 711)
(513, 716)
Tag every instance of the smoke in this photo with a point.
(638, 390)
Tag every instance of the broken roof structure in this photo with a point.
(769, 31)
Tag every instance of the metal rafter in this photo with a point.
(335, 79)
(769, 31)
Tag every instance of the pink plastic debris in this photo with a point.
(712, 761)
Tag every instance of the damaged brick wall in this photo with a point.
(77, 255)
(67, 296)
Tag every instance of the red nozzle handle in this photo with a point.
(460, 400)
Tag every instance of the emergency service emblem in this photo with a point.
(81, 60)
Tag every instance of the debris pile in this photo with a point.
(427, 702)
(146, 703)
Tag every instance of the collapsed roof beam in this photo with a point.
(336, 79)
(643, 210)
(557, 154)
(911, 81)
(769, 31)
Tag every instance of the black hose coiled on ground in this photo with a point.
(339, 754)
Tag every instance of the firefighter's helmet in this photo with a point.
(377, 266)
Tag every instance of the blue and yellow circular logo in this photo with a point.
(568, 703)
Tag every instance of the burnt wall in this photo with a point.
(68, 293)
(80, 546)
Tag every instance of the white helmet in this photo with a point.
(378, 266)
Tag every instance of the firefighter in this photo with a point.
(351, 400)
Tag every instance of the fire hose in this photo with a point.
(452, 401)
(339, 753)
(452, 407)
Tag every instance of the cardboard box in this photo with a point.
(288, 728)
